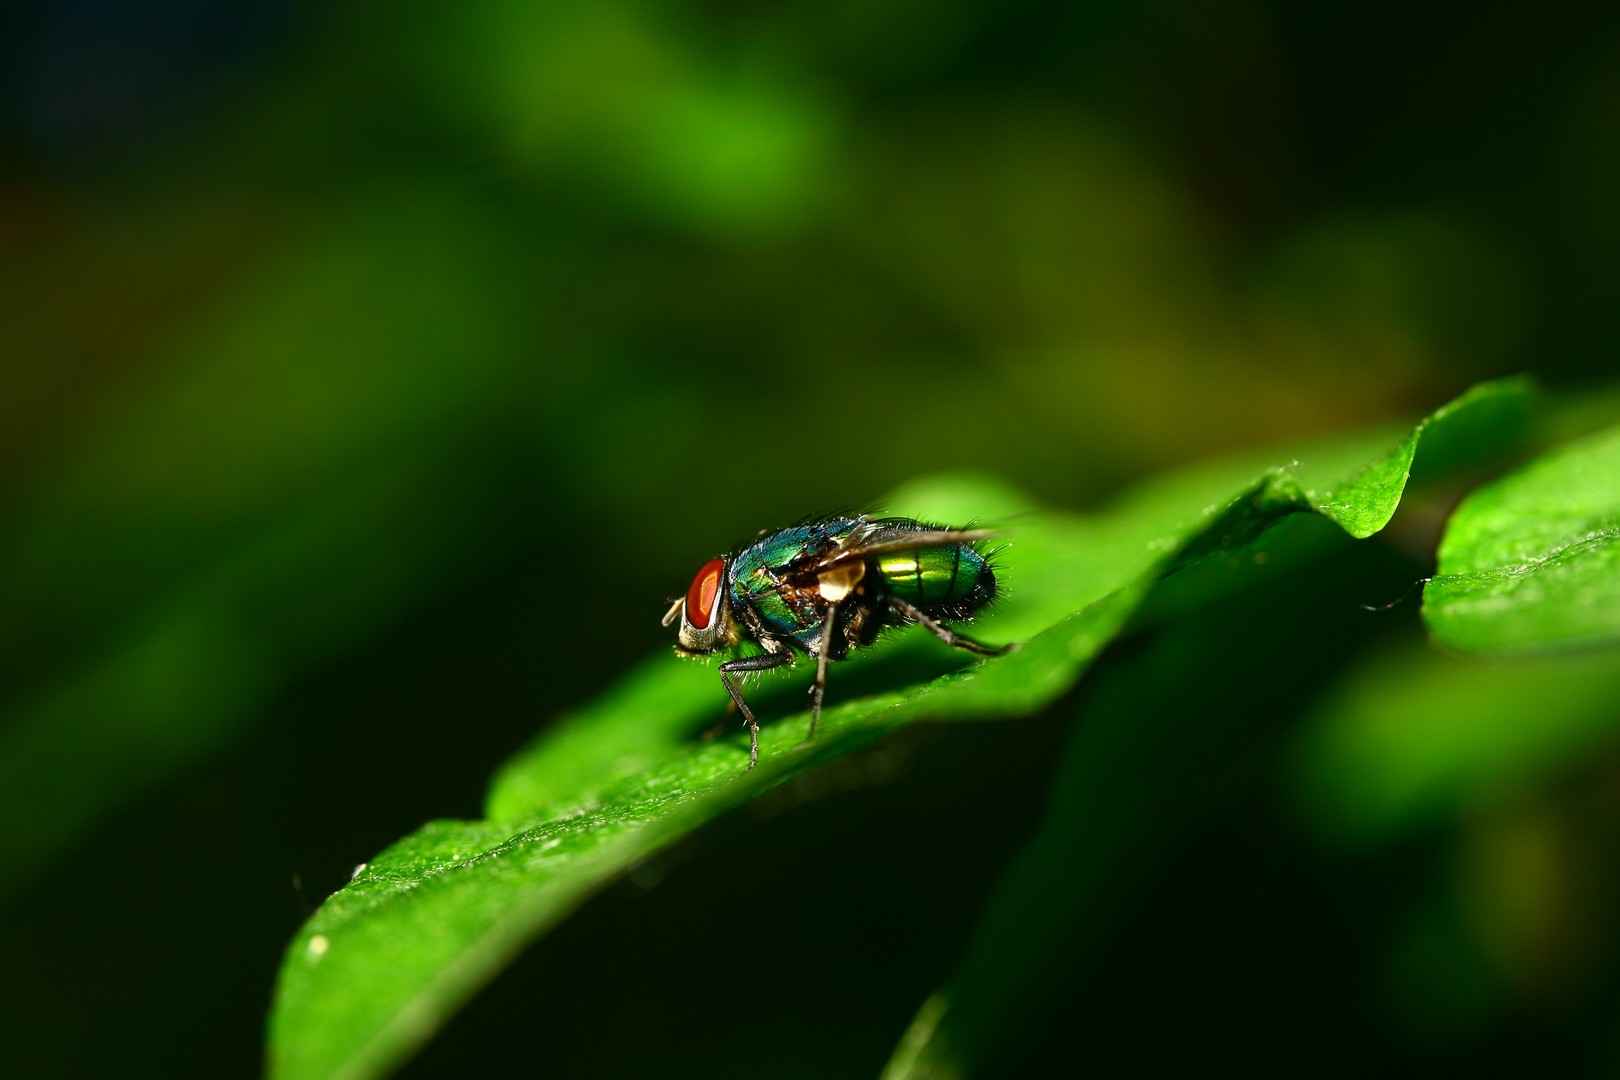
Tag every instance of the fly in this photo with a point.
(827, 585)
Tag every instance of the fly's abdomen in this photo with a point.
(946, 582)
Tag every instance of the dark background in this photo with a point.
(372, 377)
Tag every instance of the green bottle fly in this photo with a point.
(827, 585)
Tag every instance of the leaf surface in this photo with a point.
(385, 960)
(1110, 813)
(1531, 562)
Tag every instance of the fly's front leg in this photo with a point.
(945, 633)
(763, 662)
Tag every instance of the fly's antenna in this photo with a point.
(674, 612)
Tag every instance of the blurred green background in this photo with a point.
(373, 376)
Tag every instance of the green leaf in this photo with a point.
(388, 958)
(1532, 561)
(1414, 734)
(1418, 749)
(1109, 815)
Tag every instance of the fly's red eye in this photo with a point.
(700, 597)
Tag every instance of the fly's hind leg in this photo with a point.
(763, 662)
(945, 633)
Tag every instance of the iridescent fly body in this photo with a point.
(825, 586)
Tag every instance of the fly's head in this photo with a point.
(706, 624)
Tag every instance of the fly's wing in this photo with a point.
(883, 536)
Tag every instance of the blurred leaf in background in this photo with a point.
(369, 378)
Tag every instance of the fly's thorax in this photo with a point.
(778, 606)
(769, 583)
(792, 545)
(950, 582)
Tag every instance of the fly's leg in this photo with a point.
(748, 717)
(945, 633)
(819, 687)
(762, 662)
